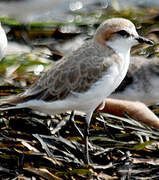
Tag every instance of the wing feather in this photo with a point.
(74, 73)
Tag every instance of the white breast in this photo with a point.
(123, 69)
(122, 48)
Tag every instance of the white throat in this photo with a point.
(123, 50)
(120, 47)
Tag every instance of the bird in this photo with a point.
(141, 82)
(84, 78)
(3, 42)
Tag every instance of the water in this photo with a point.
(53, 10)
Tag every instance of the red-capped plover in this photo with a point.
(83, 79)
(141, 82)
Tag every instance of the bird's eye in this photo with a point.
(123, 33)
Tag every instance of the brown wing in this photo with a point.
(73, 73)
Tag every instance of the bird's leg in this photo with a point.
(73, 122)
(86, 134)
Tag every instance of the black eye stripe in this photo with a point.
(123, 33)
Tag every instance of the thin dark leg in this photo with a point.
(73, 122)
(72, 116)
(86, 134)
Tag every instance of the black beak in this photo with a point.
(141, 39)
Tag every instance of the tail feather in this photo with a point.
(19, 101)
(11, 102)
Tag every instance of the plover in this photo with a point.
(83, 79)
(3, 42)
(141, 82)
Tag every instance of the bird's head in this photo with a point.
(119, 33)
